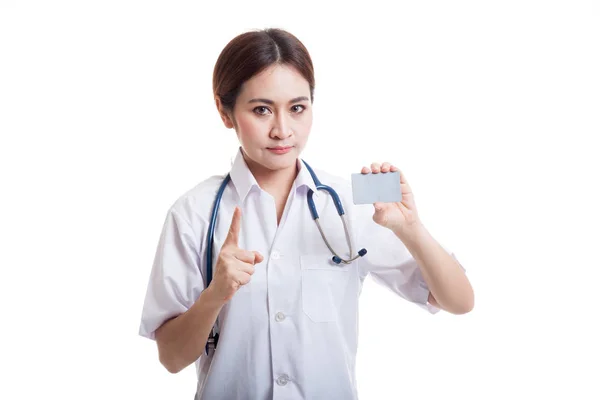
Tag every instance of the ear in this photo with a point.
(224, 116)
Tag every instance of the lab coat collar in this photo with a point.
(244, 181)
(304, 178)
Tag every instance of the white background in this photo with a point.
(490, 108)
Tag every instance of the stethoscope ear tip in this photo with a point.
(362, 252)
(336, 259)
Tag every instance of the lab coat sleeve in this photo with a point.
(175, 280)
(389, 262)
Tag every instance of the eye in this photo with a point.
(296, 110)
(261, 110)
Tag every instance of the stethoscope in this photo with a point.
(213, 337)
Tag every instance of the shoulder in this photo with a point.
(343, 187)
(194, 205)
(337, 182)
(360, 213)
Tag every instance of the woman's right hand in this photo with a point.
(234, 265)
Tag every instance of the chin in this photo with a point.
(277, 162)
(280, 164)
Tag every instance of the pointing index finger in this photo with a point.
(234, 230)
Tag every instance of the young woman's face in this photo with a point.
(273, 117)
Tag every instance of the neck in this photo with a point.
(276, 183)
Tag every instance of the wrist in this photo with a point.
(411, 233)
(211, 298)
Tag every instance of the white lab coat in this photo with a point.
(292, 331)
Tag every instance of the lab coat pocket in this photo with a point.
(323, 286)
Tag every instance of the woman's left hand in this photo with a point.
(398, 216)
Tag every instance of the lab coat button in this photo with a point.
(275, 255)
(279, 317)
(283, 380)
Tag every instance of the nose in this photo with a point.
(281, 128)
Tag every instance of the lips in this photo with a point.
(280, 149)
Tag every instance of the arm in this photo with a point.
(449, 287)
(181, 340)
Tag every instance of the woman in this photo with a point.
(285, 313)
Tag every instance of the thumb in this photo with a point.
(258, 258)
(378, 206)
(234, 230)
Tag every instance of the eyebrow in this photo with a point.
(294, 100)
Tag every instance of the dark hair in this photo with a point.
(250, 53)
